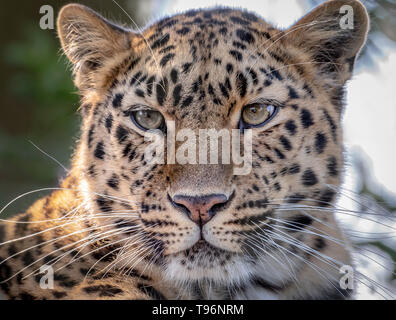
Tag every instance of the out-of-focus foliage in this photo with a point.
(39, 101)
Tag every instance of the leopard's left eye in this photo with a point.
(148, 120)
(257, 114)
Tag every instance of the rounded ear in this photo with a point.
(88, 39)
(333, 34)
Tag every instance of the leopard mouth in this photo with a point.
(203, 246)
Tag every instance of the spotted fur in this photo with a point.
(112, 232)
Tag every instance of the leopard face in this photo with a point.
(206, 69)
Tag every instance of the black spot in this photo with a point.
(109, 123)
(319, 244)
(309, 178)
(292, 93)
(279, 153)
(121, 134)
(236, 54)
(117, 100)
(285, 143)
(276, 57)
(241, 83)
(91, 170)
(135, 78)
(162, 91)
(253, 74)
(294, 168)
(223, 31)
(306, 118)
(276, 74)
(139, 93)
(160, 42)
(104, 290)
(245, 36)
(320, 142)
(291, 127)
(224, 91)
(113, 182)
(186, 102)
(167, 49)
(151, 292)
(332, 167)
(299, 222)
(186, 67)
(326, 197)
(211, 90)
(249, 16)
(26, 296)
(333, 126)
(229, 68)
(150, 83)
(90, 135)
(267, 83)
(59, 294)
(177, 95)
(166, 59)
(12, 250)
(294, 198)
(133, 64)
(104, 204)
(183, 31)
(27, 258)
(174, 76)
(240, 21)
(99, 151)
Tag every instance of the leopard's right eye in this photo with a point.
(148, 120)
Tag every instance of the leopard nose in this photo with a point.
(200, 209)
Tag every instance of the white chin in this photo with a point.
(181, 270)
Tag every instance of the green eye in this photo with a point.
(257, 114)
(148, 119)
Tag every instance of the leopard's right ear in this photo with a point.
(89, 40)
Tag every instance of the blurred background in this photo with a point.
(39, 115)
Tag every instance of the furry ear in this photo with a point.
(89, 40)
(332, 34)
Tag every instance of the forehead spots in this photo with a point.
(150, 83)
(166, 59)
(117, 100)
(161, 42)
(245, 36)
(162, 91)
(242, 84)
(236, 55)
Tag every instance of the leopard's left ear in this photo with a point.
(333, 35)
(90, 42)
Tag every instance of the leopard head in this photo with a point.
(225, 70)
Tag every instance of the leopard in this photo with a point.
(120, 227)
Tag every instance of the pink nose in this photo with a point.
(199, 209)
